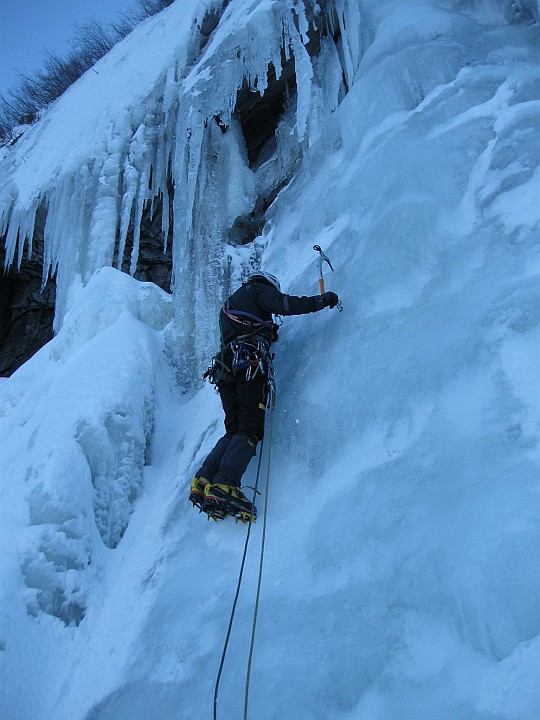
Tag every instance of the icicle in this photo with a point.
(5, 214)
(194, 160)
(130, 186)
(329, 75)
(139, 209)
(303, 25)
(104, 219)
(66, 233)
(17, 224)
(162, 151)
(304, 74)
(26, 231)
(12, 235)
(58, 201)
(348, 15)
(185, 171)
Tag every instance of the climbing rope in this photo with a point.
(259, 581)
(242, 565)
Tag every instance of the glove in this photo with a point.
(329, 299)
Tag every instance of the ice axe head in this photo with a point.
(322, 258)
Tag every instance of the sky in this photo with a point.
(28, 27)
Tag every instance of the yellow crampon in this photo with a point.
(220, 501)
(226, 500)
(216, 515)
(245, 517)
(196, 495)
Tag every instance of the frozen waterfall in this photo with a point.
(177, 137)
(401, 576)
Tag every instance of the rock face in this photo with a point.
(27, 309)
(26, 317)
(153, 264)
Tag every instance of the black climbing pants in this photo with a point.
(244, 404)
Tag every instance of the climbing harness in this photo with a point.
(253, 321)
(249, 350)
(322, 259)
(241, 573)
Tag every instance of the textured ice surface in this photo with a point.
(401, 573)
(84, 409)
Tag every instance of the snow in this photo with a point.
(401, 577)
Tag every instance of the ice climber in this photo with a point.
(242, 372)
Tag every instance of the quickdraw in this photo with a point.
(249, 354)
(252, 354)
(221, 367)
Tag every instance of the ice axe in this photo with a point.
(322, 259)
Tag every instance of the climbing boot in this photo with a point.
(230, 500)
(196, 495)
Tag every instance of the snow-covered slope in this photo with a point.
(401, 577)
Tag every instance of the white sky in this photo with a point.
(28, 27)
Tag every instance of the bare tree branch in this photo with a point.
(91, 40)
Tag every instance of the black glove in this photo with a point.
(330, 298)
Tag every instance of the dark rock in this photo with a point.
(26, 310)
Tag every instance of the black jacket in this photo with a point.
(259, 299)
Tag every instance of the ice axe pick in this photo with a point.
(322, 259)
